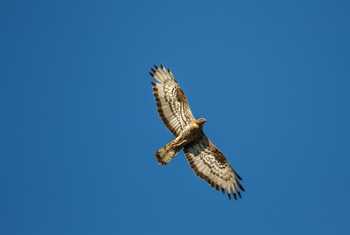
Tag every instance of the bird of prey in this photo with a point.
(207, 161)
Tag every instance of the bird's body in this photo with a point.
(190, 134)
(204, 157)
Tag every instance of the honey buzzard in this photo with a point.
(203, 156)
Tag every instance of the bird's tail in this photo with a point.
(166, 153)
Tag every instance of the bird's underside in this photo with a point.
(203, 156)
(191, 133)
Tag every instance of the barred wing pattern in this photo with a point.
(210, 164)
(172, 103)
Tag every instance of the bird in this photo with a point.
(206, 160)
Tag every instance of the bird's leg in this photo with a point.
(169, 151)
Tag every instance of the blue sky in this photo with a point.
(79, 126)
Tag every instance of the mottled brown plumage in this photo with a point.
(207, 161)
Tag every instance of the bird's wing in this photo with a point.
(171, 101)
(210, 164)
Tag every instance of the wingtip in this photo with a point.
(235, 196)
(158, 67)
(152, 72)
(238, 176)
(241, 187)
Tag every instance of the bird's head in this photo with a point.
(201, 121)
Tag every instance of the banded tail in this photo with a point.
(166, 153)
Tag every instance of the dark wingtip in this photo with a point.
(241, 187)
(235, 196)
(238, 176)
(152, 72)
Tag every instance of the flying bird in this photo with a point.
(207, 161)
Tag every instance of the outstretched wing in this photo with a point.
(210, 164)
(171, 101)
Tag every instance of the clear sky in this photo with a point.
(79, 126)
